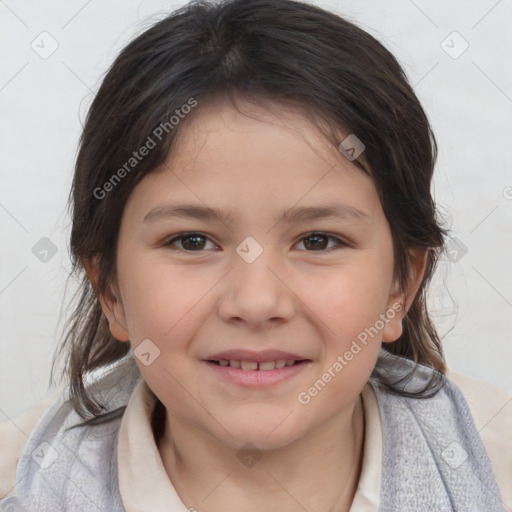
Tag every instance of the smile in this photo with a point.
(257, 374)
(253, 365)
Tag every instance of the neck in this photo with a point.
(208, 475)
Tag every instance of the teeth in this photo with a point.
(249, 365)
(252, 365)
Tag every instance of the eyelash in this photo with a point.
(341, 243)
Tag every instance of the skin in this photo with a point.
(294, 297)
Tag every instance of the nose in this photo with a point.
(256, 293)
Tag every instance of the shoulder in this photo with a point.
(14, 435)
(463, 410)
(51, 419)
(491, 408)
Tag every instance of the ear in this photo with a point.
(110, 303)
(400, 301)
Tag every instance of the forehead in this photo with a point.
(256, 160)
(269, 128)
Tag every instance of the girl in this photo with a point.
(255, 233)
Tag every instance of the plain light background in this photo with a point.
(466, 92)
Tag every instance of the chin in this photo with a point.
(264, 435)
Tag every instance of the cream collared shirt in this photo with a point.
(137, 449)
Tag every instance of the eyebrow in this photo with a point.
(294, 215)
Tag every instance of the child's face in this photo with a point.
(296, 296)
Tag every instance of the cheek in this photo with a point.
(350, 299)
(157, 298)
(350, 307)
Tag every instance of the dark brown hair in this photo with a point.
(284, 51)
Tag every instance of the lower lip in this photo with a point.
(257, 378)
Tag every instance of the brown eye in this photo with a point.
(191, 242)
(320, 241)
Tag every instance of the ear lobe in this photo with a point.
(110, 304)
(418, 259)
(91, 269)
(393, 324)
(400, 302)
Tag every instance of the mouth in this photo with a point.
(255, 374)
(257, 366)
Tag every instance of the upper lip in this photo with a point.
(251, 355)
